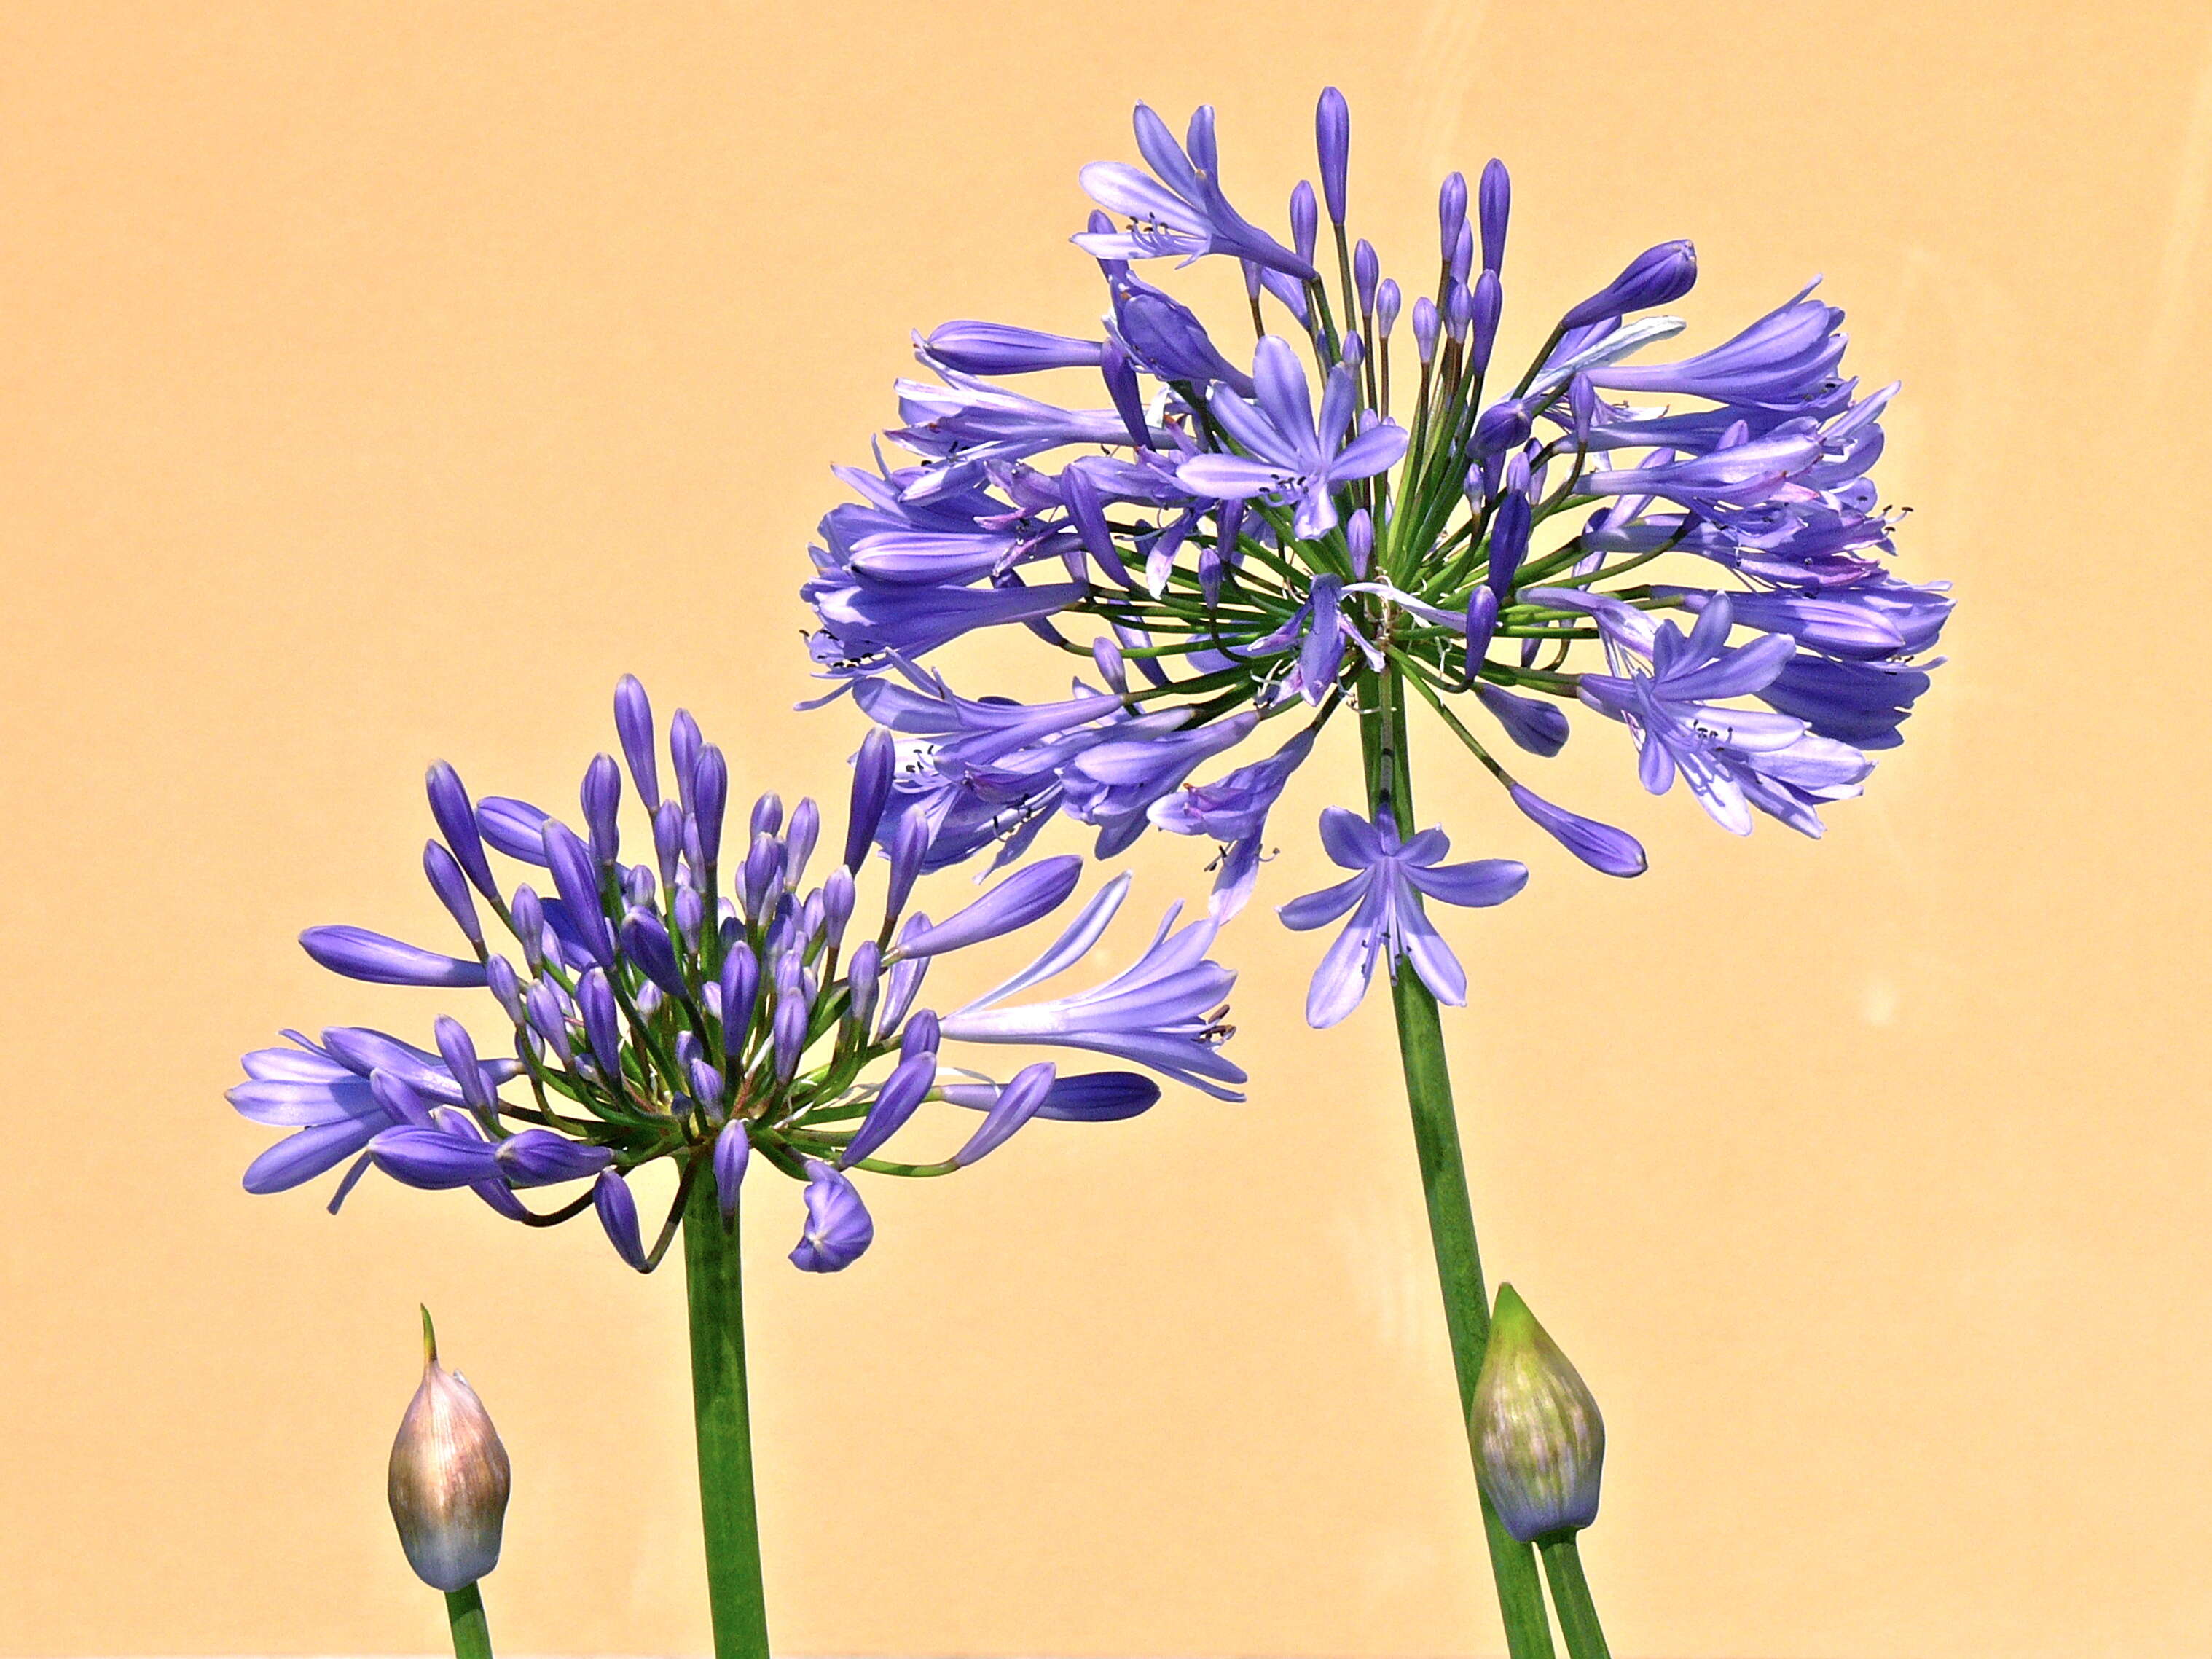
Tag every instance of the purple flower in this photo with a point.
(1384, 897)
(838, 1226)
(1182, 210)
(1290, 456)
(359, 954)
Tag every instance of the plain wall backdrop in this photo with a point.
(383, 380)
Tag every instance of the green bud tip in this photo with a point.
(429, 1338)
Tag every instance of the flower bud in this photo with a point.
(448, 1480)
(1539, 1442)
(634, 721)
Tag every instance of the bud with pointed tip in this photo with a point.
(448, 1480)
(1539, 1441)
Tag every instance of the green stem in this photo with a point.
(725, 1450)
(1443, 1174)
(1571, 1594)
(464, 1613)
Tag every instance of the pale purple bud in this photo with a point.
(1106, 651)
(359, 954)
(457, 822)
(767, 814)
(1366, 271)
(644, 941)
(1387, 300)
(733, 1149)
(1503, 426)
(1306, 220)
(433, 1159)
(758, 882)
(458, 1050)
(1027, 895)
(1489, 298)
(1451, 212)
(1601, 846)
(872, 787)
(549, 1020)
(1534, 723)
(637, 885)
(1427, 326)
(540, 1158)
(668, 839)
(576, 876)
(1016, 1105)
(648, 998)
(1333, 140)
(1463, 258)
(706, 1083)
(862, 973)
(1354, 349)
(691, 916)
(684, 745)
(788, 1037)
(973, 348)
(601, 800)
(633, 724)
(740, 984)
(837, 900)
(499, 977)
(799, 842)
(452, 887)
(1494, 203)
(1120, 373)
(1459, 309)
(909, 844)
(1359, 536)
(448, 1480)
(920, 1035)
(611, 1197)
(529, 926)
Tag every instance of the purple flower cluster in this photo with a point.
(702, 1008)
(1369, 509)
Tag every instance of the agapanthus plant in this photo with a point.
(704, 1009)
(1357, 511)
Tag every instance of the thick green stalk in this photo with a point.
(726, 1447)
(1443, 1173)
(464, 1613)
(1571, 1593)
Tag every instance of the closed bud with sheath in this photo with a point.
(1539, 1442)
(449, 1478)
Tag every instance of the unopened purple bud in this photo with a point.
(1427, 326)
(973, 348)
(799, 842)
(499, 977)
(549, 1019)
(668, 839)
(1359, 536)
(644, 941)
(611, 1197)
(1481, 624)
(902, 1091)
(1459, 309)
(1503, 426)
(767, 814)
(684, 745)
(900, 988)
(1366, 271)
(433, 1159)
(733, 1149)
(648, 998)
(1509, 535)
(601, 800)
(1113, 668)
(1333, 140)
(1537, 726)
(637, 885)
(529, 926)
(358, 953)
(862, 973)
(1601, 846)
(457, 822)
(1489, 298)
(1463, 258)
(758, 882)
(1387, 300)
(920, 1035)
(595, 1001)
(1120, 373)
(633, 724)
(1018, 1102)
(1494, 203)
(691, 916)
(1451, 212)
(872, 787)
(1656, 277)
(788, 1037)
(540, 1158)
(710, 797)
(837, 900)
(706, 1083)
(909, 845)
(1306, 220)
(740, 984)
(452, 887)
(1029, 895)
(458, 1050)
(838, 1228)
(1354, 349)
(1253, 275)
(577, 878)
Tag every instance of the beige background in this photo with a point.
(382, 380)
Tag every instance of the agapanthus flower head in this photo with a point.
(716, 1005)
(1693, 549)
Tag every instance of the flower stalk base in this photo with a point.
(1444, 1173)
(724, 1426)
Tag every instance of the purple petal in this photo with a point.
(359, 954)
